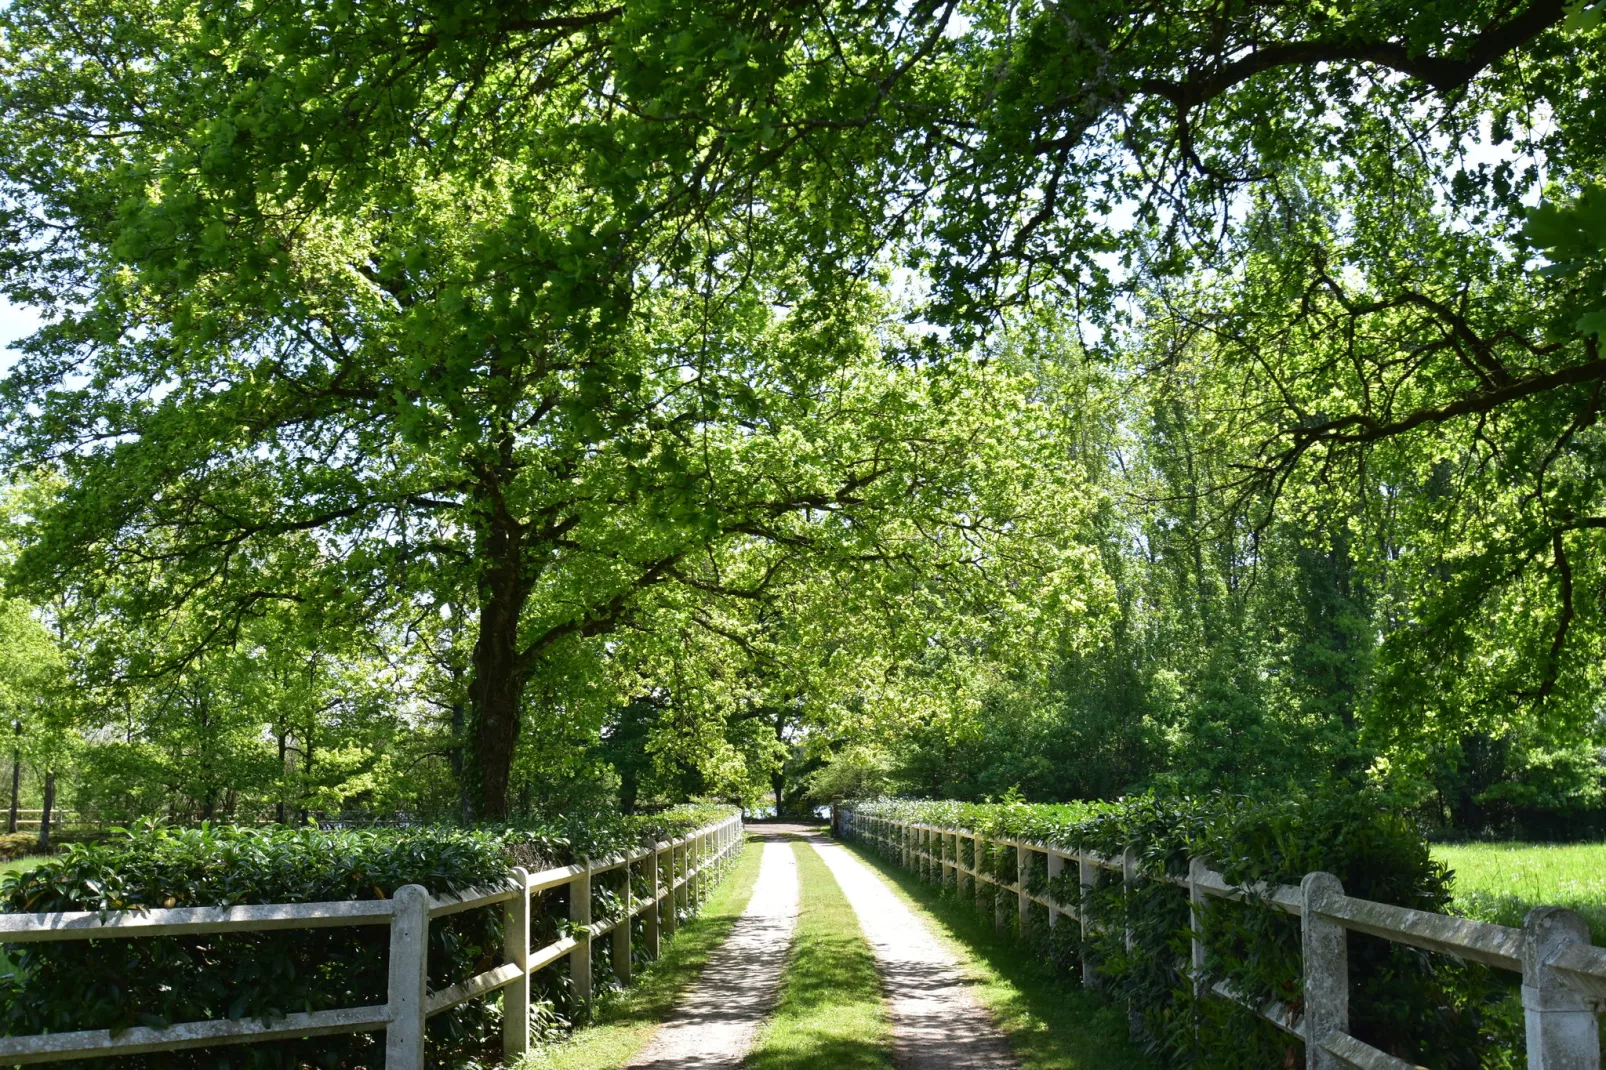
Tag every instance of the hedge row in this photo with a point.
(111, 984)
(14, 845)
(1427, 1009)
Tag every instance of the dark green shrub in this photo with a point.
(14, 845)
(111, 984)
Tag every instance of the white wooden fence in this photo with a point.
(1563, 975)
(690, 860)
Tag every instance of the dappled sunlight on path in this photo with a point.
(937, 1022)
(715, 1025)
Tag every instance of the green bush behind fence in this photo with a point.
(112, 984)
(1430, 1009)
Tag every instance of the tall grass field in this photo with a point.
(1501, 882)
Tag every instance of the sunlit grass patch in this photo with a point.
(832, 1012)
(1501, 882)
(16, 865)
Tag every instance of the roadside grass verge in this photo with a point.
(1501, 882)
(1051, 1022)
(625, 1021)
(832, 1012)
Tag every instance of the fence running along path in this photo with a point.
(1563, 975)
(409, 913)
(29, 819)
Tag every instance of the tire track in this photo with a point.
(714, 1026)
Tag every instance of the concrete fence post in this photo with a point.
(1023, 900)
(516, 950)
(1196, 906)
(1563, 1032)
(1129, 887)
(621, 933)
(705, 860)
(1325, 952)
(999, 898)
(649, 917)
(580, 923)
(1056, 867)
(671, 903)
(409, 978)
(1129, 884)
(694, 872)
(1087, 877)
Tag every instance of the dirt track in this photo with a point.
(937, 1024)
(714, 1026)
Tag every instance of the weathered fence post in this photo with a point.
(649, 917)
(1056, 866)
(671, 905)
(1087, 877)
(1196, 906)
(953, 854)
(409, 978)
(580, 925)
(1563, 1032)
(516, 949)
(1326, 956)
(621, 933)
(1129, 887)
(694, 872)
(999, 898)
(1023, 900)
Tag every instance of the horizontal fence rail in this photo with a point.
(1563, 975)
(676, 870)
(28, 820)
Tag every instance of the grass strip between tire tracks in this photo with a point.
(625, 1022)
(832, 1012)
(1051, 1022)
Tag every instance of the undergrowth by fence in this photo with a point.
(1193, 913)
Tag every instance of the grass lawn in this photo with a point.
(1051, 1022)
(625, 1023)
(19, 864)
(14, 866)
(1501, 882)
(832, 1014)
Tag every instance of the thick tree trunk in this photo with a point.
(458, 757)
(45, 813)
(16, 789)
(496, 694)
(778, 777)
(284, 752)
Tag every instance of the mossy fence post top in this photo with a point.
(1563, 975)
(409, 1002)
